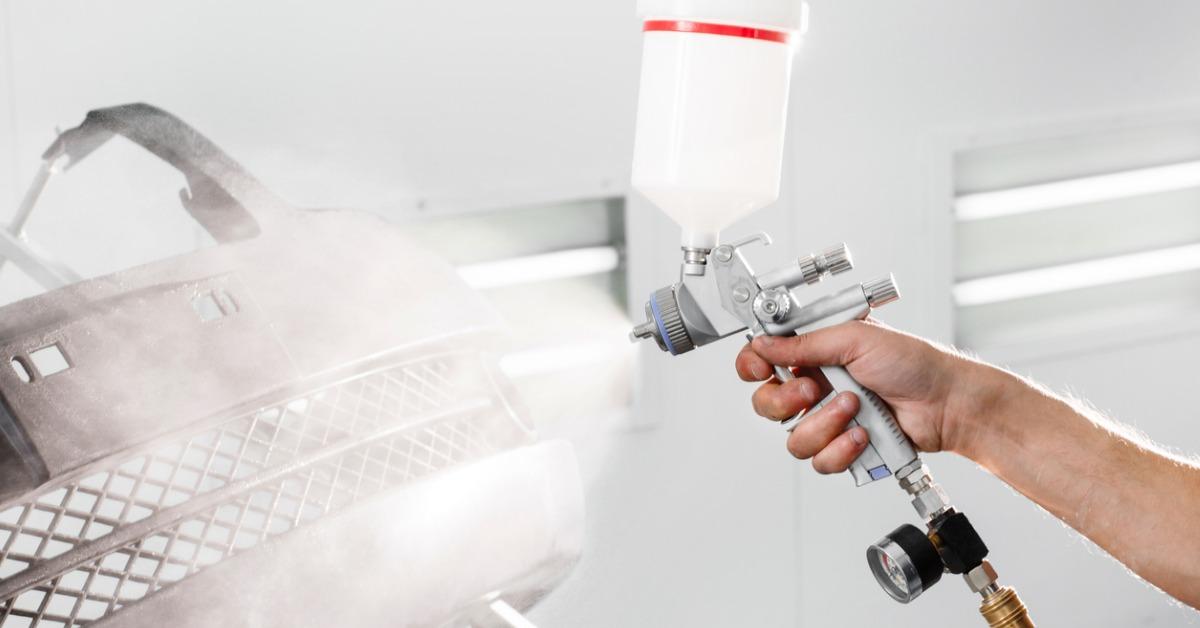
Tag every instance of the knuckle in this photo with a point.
(760, 370)
(798, 447)
(809, 389)
(823, 425)
(781, 350)
(836, 457)
(765, 401)
(795, 347)
(776, 404)
(797, 450)
(833, 461)
(802, 393)
(756, 403)
(759, 398)
(821, 466)
(742, 371)
(745, 367)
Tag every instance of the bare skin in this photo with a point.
(1135, 500)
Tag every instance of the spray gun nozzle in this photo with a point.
(643, 331)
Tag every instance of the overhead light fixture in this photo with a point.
(1077, 275)
(543, 267)
(1093, 189)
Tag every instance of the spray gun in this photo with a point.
(720, 295)
(711, 116)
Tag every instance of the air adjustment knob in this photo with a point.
(881, 291)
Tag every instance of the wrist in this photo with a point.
(980, 397)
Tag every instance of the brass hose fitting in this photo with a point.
(1003, 609)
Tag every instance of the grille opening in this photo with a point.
(49, 360)
(302, 458)
(207, 308)
(22, 369)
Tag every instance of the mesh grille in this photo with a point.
(265, 473)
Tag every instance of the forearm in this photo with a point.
(1129, 497)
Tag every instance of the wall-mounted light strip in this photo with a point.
(1078, 275)
(543, 267)
(1094, 189)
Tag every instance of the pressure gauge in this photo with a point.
(905, 563)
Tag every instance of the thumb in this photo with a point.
(837, 345)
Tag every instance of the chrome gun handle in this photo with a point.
(888, 449)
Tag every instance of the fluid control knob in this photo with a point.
(833, 261)
(810, 269)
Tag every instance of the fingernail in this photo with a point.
(859, 436)
(809, 388)
(765, 341)
(761, 371)
(846, 401)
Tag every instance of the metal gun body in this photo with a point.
(723, 296)
(719, 295)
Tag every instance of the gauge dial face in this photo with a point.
(895, 572)
(887, 562)
(905, 563)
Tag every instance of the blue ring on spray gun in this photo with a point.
(662, 331)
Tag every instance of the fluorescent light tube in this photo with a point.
(509, 615)
(544, 267)
(1078, 275)
(1105, 187)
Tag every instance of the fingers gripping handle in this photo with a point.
(888, 449)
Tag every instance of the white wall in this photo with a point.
(376, 104)
(881, 88)
(698, 517)
(882, 91)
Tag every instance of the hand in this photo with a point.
(931, 390)
(1096, 475)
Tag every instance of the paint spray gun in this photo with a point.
(711, 116)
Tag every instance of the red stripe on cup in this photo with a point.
(682, 26)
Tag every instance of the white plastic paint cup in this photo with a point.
(712, 110)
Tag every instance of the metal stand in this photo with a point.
(15, 246)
